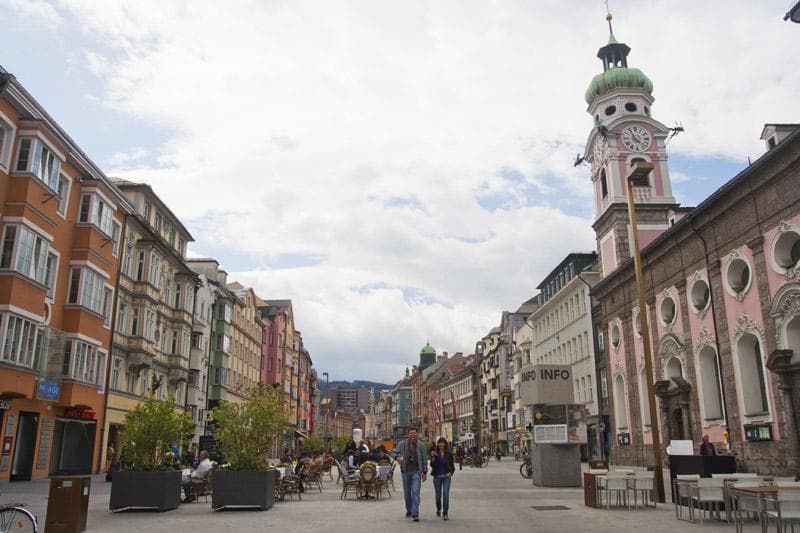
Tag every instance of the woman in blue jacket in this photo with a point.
(442, 468)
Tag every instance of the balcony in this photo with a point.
(177, 375)
(137, 360)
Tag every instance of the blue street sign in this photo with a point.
(48, 390)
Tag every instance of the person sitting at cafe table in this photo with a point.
(706, 448)
(286, 458)
(196, 477)
(378, 454)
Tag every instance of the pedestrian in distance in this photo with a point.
(498, 453)
(413, 459)
(706, 448)
(442, 470)
(461, 453)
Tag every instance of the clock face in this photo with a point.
(636, 138)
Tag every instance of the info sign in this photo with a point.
(546, 384)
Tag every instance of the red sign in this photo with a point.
(7, 445)
(86, 414)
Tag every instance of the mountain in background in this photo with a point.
(375, 386)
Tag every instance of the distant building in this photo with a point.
(351, 399)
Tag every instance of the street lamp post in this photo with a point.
(637, 175)
(328, 410)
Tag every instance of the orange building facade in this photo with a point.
(60, 223)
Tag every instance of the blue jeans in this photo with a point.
(411, 485)
(441, 484)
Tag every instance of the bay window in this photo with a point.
(25, 251)
(84, 362)
(35, 157)
(21, 341)
(95, 210)
(87, 288)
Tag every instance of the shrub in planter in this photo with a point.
(245, 433)
(151, 427)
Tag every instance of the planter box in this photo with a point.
(243, 489)
(145, 490)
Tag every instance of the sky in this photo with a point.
(403, 171)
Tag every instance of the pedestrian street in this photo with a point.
(493, 499)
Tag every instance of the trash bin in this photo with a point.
(68, 504)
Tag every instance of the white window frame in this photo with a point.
(23, 347)
(127, 259)
(37, 266)
(93, 297)
(116, 373)
(7, 141)
(122, 316)
(63, 196)
(85, 363)
(40, 151)
(116, 237)
(153, 270)
(52, 280)
(100, 213)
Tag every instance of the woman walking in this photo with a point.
(442, 468)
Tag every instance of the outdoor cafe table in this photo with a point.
(760, 493)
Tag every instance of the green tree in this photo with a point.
(339, 443)
(245, 431)
(314, 443)
(151, 427)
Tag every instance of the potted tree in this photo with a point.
(151, 427)
(245, 432)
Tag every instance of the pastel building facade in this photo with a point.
(721, 287)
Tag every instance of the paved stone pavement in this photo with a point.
(493, 499)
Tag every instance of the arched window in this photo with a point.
(793, 338)
(645, 398)
(620, 411)
(603, 183)
(673, 368)
(710, 383)
(751, 370)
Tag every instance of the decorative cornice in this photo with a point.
(746, 324)
(704, 338)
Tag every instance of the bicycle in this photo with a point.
(526, 468)
(14, 518)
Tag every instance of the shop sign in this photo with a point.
(5, 404)
(85, 414)
(48, 390)
(7, 445)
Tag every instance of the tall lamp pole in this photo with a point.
(328, 410)
(638, 175)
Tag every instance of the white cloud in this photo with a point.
(36, 11)
(294, 124)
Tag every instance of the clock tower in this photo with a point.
(620, 100)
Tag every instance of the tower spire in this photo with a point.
(609, 18)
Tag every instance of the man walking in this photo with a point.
(413, 459)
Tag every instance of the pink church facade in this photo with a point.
(722, 287)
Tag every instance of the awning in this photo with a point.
(298, 433)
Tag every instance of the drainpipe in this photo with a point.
(109, 363)
(716, 332)
(191, 334)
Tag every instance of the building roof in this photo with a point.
(33, 110)
(587, 257)
(123, 184)
(427, 349)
